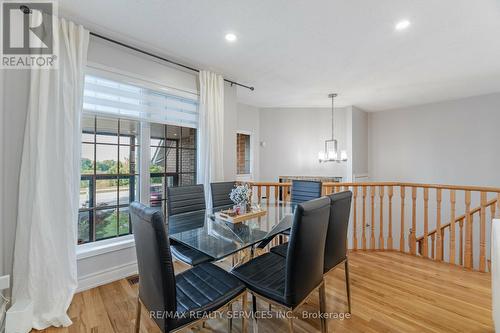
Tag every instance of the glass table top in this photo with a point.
(200, 230)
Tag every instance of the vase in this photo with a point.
(243, 208)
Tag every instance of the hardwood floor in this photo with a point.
(391, 292)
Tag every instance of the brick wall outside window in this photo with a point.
(242, 154)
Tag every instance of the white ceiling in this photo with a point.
(296, 52)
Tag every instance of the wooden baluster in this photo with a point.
(402, 193)
(276, 193)
(468, 232)
(452, 226)
(439, 239)
(346, 188)
(389, 239)
(259, 193)
(492, 216)
(268, 193)
(413, 236)
(355, 219)
(442, 243)
(493, 210)
(498, 206)
(461, 248)
(425, 243)
(364, 219)
(432, 245)
(372, 220)
(482, 234)
(381, 243)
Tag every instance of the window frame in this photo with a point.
(245, 176)
(94, 177)
(141, 175)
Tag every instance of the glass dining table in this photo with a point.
(202, 231)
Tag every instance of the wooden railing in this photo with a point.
(419, 219)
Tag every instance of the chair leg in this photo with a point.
(348, 284)
(290, 325)
(230, 320)
(322, 308)
(244, 323)
(254, 310)
(138, 316)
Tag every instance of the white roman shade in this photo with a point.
(104, 96)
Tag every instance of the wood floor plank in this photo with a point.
(391, 292)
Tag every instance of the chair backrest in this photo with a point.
(305, 190)
(220, 194)
(185, 199)
(306, 249)
(154, 260)
(336, 237)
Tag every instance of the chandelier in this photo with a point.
(331, 152)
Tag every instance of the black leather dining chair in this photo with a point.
(336, 237)
(305, 190)
(182, 200)
(179, 301)
(302, 191)
(288, 281)
(220, 195)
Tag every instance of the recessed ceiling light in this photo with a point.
(402, 25)
(231, 37)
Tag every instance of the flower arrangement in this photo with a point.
(241, 195)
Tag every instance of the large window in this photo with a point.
(117, 111)
(173, 160)
(109, 178)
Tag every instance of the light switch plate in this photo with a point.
(4, 282)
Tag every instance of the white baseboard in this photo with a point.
(106, 276)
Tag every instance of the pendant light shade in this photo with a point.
(331, 152)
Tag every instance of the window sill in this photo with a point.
(105, 246)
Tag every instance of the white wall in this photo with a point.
(451, 142)
(249, 122)
(359, 154)
(103, 53)
(294, 136)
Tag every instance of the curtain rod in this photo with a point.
(162, 58)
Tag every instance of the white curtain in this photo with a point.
(211, 131)
(45, 259)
